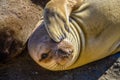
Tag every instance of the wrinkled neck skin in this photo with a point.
(77, 38)
(91, 26)
(60, 26)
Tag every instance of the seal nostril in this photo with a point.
(63, 54)
(71, 51)
(61, 51)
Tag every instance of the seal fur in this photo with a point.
(47, 52)
(91, 26)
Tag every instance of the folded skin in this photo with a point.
(56, 18)
(78, 32)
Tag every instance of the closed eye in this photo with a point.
(44, 56)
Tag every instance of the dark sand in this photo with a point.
(24, 68)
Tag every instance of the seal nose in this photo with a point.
(63, 56)
(64, 53)
(65, 48)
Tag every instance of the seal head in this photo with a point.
(48, 53)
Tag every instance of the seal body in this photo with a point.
(97, 19)
(92, 27)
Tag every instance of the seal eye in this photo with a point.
(44, 56)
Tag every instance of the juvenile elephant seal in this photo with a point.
(16, 26)
(81, 31)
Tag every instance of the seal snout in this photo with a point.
(65, 47)
(64, 52)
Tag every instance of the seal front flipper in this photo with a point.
(56, 18)
(55, 25)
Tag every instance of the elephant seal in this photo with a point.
(87, 30)
(16, 26)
